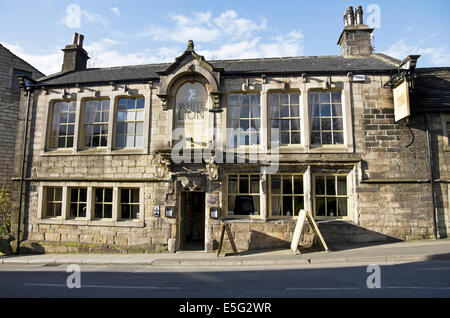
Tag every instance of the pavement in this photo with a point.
(410, 251)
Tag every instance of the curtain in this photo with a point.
(254, 188)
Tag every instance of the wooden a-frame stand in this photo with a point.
(299, 229)
(226, 227)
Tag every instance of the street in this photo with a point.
(418, 279)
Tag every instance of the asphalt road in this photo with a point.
(421, 279)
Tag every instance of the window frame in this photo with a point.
(293, 195)
(49, 135)
(249, 119)
(331, 117)
(116, 123)
(102, 203)
(78, 202)
(228, 194)
(129, 203)
(45, 202)
(300, 117)
(83, 124)
(347, 195)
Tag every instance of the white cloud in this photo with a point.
(202, 27)
(75, 16)
(430, 55)
(227, 36)
(48, 63)
(115, 11)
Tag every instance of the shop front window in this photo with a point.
(243, 194)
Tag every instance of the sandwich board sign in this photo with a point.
(303, 214)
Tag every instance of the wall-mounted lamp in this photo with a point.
(213, 170)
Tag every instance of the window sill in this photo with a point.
(119, 223)
(330, 149)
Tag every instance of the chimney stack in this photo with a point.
(75, 57)
(355, 40)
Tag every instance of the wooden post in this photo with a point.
(226, 227)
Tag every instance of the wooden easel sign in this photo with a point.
(226, 227)
(299, 229)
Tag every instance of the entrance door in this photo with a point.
(192, 222)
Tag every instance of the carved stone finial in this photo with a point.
(190, 45)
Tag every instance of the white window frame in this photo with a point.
(90, 215)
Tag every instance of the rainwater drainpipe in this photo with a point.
(430, 164)
(28, 88)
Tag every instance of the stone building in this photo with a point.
(10, 67)
(156, 157)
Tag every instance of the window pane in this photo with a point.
(338, 138)
(140, 103)
(320, 206)
(254, 185)
(315, 138)
(298, 204)
(287, 206)
(316, 124)
(294, 98)
(284, 99)
(337, 124)
(295, 111)
(337, 110)
(320, 185)
(243, 184)
(245, 99)
(284, 111)
(232, 184)
(107, 211)
(325, 110)
(342, 206)
(135, 195)
(108, 195)
(295, 138)
(276, 185)
(326, 138)
(324, 97)
(287, 185)
(276, 206)
(298, 184)
(336, 97)
(331, 190)
(326, 123)
(331, 207)
(233, 99)
(342, 185)
(98, 213)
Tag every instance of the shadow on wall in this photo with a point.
(334, 232)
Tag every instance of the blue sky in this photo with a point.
(139, 32)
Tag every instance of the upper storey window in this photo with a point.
(244, 117)
(284, 113)
(130, 123)
(96, 117)
(63, 125)
(327, 127)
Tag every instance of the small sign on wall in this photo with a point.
(214, 213)
(156, 213)
(169, 212)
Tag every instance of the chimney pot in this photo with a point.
(80, 40)
(75, 38)
(359, 15)
(350, 16)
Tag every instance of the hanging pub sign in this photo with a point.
(401, 100)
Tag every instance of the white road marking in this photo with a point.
(106, 286)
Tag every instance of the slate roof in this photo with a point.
(286, 65)
(431, 90)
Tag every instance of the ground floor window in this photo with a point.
(129, 203)
(103, 203)
(286, 195)
(243, 194)
(53, 201)
(78, 202)
(330, 196)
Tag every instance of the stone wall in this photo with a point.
(390, 198)
(9, 116)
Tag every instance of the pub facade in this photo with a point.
(157, 157)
